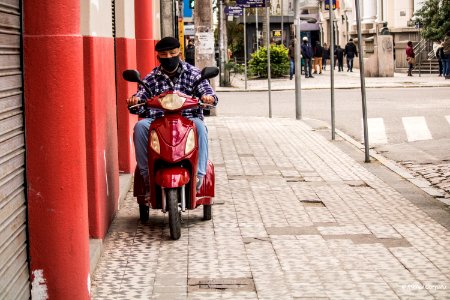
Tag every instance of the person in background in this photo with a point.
(350, 51)
(318, 53)
(307, 54)
(291, 53)
(190, 53)
(410, 57)
(325, 56)
(439, 51)
(339, 54)
(446, 55)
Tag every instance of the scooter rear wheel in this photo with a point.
(207, 212)
(174, 214)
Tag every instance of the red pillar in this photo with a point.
(145, 42)
(56, 150)
(125, 59)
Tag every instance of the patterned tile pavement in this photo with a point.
(295, 218)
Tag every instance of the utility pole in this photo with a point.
(204, 37)
(167, 18)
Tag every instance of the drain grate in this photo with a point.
(221, 284)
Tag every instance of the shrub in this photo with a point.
(279, 61)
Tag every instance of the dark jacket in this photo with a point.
(190, 52)
(326, 53)
(350, 50)
(318, 51)
(447, 45)
(339, 52)
(307, 51)
(291, 52)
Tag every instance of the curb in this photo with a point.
(232, 89)
(421, 183)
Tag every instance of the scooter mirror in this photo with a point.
(132, 76)
(210, 72)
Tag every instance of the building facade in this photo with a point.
(379, 19)
(65, 134)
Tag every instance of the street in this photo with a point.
(408, 125)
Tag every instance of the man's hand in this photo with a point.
(208, 99)
(133, 100)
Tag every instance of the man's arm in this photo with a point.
(206, 93)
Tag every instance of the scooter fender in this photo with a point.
(172, 177)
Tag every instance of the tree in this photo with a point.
(434, 18)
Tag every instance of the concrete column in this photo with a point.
(145, 42)
(125, 59)
(369, 11)
(380, 16)
(101, 115)
(56, 150)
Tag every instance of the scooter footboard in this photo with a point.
(208, 186)
(172, 177)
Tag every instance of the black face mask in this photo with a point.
(170, 64)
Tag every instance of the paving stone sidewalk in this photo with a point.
(295, 218)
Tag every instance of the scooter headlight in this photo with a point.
(172, 101)
(190, 142)
(154, 142)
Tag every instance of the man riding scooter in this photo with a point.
(173, 74)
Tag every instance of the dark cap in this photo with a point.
(167, 43)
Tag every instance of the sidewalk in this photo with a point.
(343, 80)
(294, 217)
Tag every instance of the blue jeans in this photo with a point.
(291, 68)
(140, 138)
(349, 63)
(446, 65)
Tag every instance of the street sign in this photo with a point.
(233, 11)
(253, 3)
(327, 4)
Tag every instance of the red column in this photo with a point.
(125, 59)
(145, 42)
(56, 150)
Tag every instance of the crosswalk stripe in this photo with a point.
(416, 129)
(448, 119)
(377, 131)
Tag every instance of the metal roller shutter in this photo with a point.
(14, 274)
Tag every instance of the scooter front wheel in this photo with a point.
(144, 212)
(174, 214)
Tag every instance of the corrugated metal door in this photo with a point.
(14, 274)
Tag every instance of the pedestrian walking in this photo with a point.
(307, 54)
(339, 54)
(325, 56)
(350, 52)
(190, 53)
(291, 53)
(318, 54)
(439, 55)
(446, 55)
(410, 57)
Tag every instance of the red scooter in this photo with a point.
(173, 158)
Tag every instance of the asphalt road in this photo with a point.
(405, 124)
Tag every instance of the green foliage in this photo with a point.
(279, 61)
(434, 17)
(235, 37)
(234, 67)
